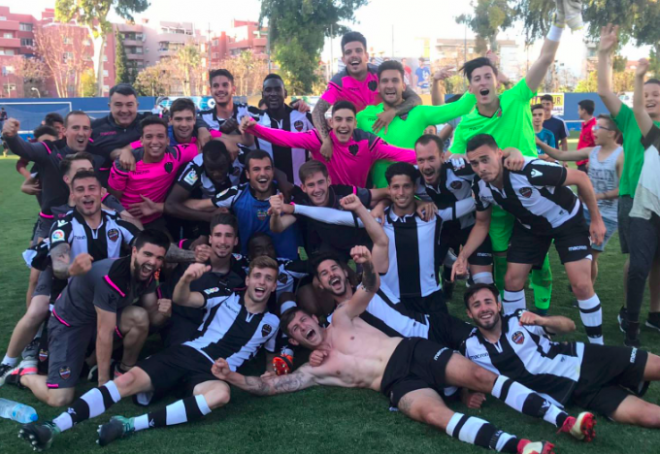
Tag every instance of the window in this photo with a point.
(23, 26)
(6, 51)
(67, 56)
(139, 37)
(105, 57)
(164, 46)
(105, 73)
(8, 35)
(29, 42)
(215, 43)
(7, 70)
(66, 40)
(86, 42)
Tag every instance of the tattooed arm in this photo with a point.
(267, 385)
(178, 255)
(63, 268)
(321, 125)
(358, 303)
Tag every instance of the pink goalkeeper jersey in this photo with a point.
(350, 162)
(151, 180)
(362, 93)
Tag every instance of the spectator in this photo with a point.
(586, 109)
(554, 124)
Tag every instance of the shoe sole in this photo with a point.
(620, 322)
(30, 437)
(588, 428)
(652, 326)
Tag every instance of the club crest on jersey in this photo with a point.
(191, 177)
(169, 167)
(113, 235)
(282, 278)
(518, 337)
(262, 215)
(354, 149)
(65, 372)
(298, 125)
(210, 291)
(373, 85)
(58, 235)
(266, 330)
(526, 192)
(43, 355)
(456, 184)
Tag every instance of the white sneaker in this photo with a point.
(573, 14)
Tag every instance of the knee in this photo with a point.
(514, 282)
(138, 319)
(483, 379)
(648, 418)
(37, 311)
(583, 288)
(216, 398)
(433, 417)
(125, 382)
(59, 399)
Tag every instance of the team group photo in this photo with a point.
(340, 226)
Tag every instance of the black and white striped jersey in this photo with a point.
(229, 331)
(536, 195)
(195, 180)
(527, 355)
(104, 242)
(286, 159)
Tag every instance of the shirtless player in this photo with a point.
(409, 371)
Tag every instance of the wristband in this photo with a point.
(555, 33)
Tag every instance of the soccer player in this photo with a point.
(507, 118)
(354, 151)
(410, 372)
(632, 168)
(99, 305)
(404, 132)
(554, 124)
(605, 168)
(545, 210)
(249, 202)
(542, 134)
(142, 192)
(586, 109)
(236, 326)
(357, 83)
(279, 115)
(605, 379)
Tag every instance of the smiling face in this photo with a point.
(343, 124)
(484, 85)
(332, 277)
(484, 309)
(183, 125)
(123, 109)
(260, 283)
(429, 161)
(260, 174)
(155, 141)
(652, 100)
(260, 246)
(223, 240)
(274, 93)
(78, 132)
(402, 191)
(304, 330)
(147, 261)
(222, 90)
(547, 108)
(86, 194)
(486, 162)
(316, 187)
(355, 57)
(391, 87)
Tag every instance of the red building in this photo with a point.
(16, 41)
(242, 36)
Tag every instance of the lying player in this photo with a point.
(408, 371)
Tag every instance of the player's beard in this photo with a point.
(488, 327)
(137, 275)
(344, 287)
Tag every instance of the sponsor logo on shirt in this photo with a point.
(210, 291)
(526, 192)
(481, 355)
(61, 223)
(169, 167)
(266, 330)
(191, 178)
(518, 337)
(109, 133)
(536, 173)
(298, 125)
(58, 235)
(577, 248)
(354, 149)
(113, 235)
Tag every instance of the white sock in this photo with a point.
(9, 360)
(483, 278)
(591, 314)
(555, 33)
(513, 301)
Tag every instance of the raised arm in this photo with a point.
(608, 41)
(540, 68)
(383, 150)
(318, 118)
(308, 140)
(435, 115)
(266, 385)
(182, 294)
(562, 155)
(370, 284)
(641, 115)
(31, 151)
(380, 250)
(280, 220)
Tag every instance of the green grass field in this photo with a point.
(316, 420)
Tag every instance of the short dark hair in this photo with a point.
(181, 104)
(536, 107)
(84, 174)
(401, 168)
(287, 317)
(273, 76)
(123, 89)
(65, 164)
(153, 120)
(480, 140)
(652, 81)
(215, 153)
(320, 257)
(224, 219)
(43, 130)
(220, 72)
(74, 113)
(588, 105)
(428, 138)
(469, 67)
(152, 236)
(391, 65)
(610, 123)
(344, 105)
(469, 293)
(262, 262)
(547, 98)
(310, 168)
(351, 37)
(52, 118)
(256, 154)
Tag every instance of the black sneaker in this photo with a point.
(622, 317)
(653, 321)
(5, 369)
(40, 435)
(118, 427)
(448, 289)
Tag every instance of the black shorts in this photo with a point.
(571, 241)
(44, 283)
(415, 364)
(454, 238)
(42, 228)
(175, 365)
(608, 375)
(429, 304)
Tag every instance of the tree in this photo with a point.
(88, 84)
(93, 14)
(34, 73)
(189, 61)
(297, 30)
(249, 71)
(489, 18)
(155, 80)
(122, 74)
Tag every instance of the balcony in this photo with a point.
(135, 57)
(10, 43)
(10, 25)
(132, 43)
(179, 38)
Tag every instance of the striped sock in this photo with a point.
(481, 433)
(526, 401)
(482, 278)
(591, 314)
(189, 409)
(91, 404)
(513, 301)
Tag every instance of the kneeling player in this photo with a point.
(235, 328)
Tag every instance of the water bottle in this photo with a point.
(17, 411)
